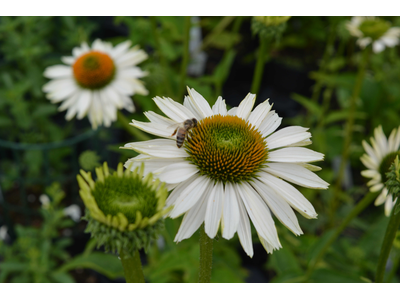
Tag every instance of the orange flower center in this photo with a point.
(227, 149)
(94, 70)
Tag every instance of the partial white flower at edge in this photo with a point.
(235, 165)
(97, 81)
(3, 233)
(44, 200)
(74, 212)
(390, 38)
(378, 158)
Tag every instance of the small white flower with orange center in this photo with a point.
(97, 81)
(232, 166)
(373, 30)
(378, 160)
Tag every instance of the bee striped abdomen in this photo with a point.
(180, 137)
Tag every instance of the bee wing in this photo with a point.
(175, 127)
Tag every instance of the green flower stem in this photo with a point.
(132, 267)
(185, 58)
(258, 72)
(354, 213)
(390, 235)
(163, 60)
(206, 248)
(348, 133)
(138, 134)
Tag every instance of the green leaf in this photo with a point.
(334, 276)
(44, 110)
(308, 104)
(104, 263)
(62, 277)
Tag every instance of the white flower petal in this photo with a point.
(193, 218)
(155, 128)
(180, 187)
(244, 229)
(120, 49)
(158, 148)
(174, 110)
(219, 108)
(201, 104)
(258, 115)
(294, 155)
(178, 172)
(378, 46)
(188, 103)
(388, 205)
(214, 210)
(290, 194)
(232, 111)
(382, 197)
(296, 174)
(245, 107)
(156, 118)
(376, 187)
(271, 122)
(280, 208)
(190, 195)
(230, 213)
(259, 214)
(83, 103)
(287, 136)
(58, 71)
(151, 164)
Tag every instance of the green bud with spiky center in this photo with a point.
(124, 210)
(374, 28)
(269, 26)
(393, 182)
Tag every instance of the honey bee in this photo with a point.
(181, 130)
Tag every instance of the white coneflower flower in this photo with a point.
(97, 81)
(378, 160)
(373, 30)
(231, 167)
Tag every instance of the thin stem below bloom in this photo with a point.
(206, 249)
(132, 267)
(353, 213)
(258, 73)
(390, 235)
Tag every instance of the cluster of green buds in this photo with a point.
(269, 26)
(393, 182)
(124, 210)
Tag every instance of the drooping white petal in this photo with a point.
(190, 195)
(71, 101)
(131, 58)
(278, 206)
(84, 102)
(158, 148)
(377, 187)
(388, 205)
(232, 111)
(68, 60)
(290, 194)
(369, 173)
(259, 214)
(378, 46)
(193, 218)
(230, 213)
(370, 151)
(214, 210)
(245, 107)
(120, 49)
(201, 104)
(382, 197)
(287, 136)
(294, 155)
(180, 187)
(244, 229)
(178, 172)
(296, 174)
(219, 108)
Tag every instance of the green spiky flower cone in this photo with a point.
(124, 210)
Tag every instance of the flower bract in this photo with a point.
(233, 166)
(124, 210)
(97, 81)
(378, 158)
